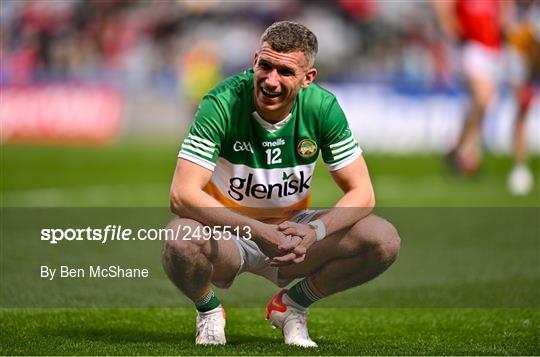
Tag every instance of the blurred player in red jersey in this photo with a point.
(477, 26)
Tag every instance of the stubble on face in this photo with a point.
(277, 80)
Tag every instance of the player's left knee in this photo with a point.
(384, 245)
(376, 239)
(389, 244)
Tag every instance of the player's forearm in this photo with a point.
(198, 205)
(352, 207)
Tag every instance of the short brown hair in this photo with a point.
(290, 36)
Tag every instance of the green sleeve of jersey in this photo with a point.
(205, 136)
(339, 147)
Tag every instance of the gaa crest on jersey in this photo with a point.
(307, 148)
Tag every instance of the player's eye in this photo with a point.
(264, 65)
(286, 72)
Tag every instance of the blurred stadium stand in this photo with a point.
(386, 61)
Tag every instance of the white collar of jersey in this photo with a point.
(269, 126)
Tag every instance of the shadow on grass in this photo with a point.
(122, 334)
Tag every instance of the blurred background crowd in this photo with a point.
(389, 63)
(184, 47)
(96, 72)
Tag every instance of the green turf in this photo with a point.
(339, 331)
(139, 175)
(467, 281)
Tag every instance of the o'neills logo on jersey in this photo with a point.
(271, 144)
(244, 187)
(306, 148)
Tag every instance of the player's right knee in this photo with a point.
(182, 247)
(179, 251)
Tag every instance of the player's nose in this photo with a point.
(272, 80)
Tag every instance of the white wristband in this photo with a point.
(319, 228)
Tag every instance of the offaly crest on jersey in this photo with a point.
(266, 172)
(307, 148)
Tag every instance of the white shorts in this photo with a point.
(479, 61)
(253, 260)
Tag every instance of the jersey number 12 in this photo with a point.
(273, 156)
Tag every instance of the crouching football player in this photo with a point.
(253, 147)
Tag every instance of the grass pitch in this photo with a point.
(471, 288)
(139, 175)
(339, 331)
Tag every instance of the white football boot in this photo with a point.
(291, 321)
(211, 327)
(520, 180)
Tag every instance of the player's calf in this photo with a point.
(188, 264)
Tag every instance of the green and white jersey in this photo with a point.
(266, 168)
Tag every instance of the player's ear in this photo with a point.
(310, 76)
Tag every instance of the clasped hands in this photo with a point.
(287, 243)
